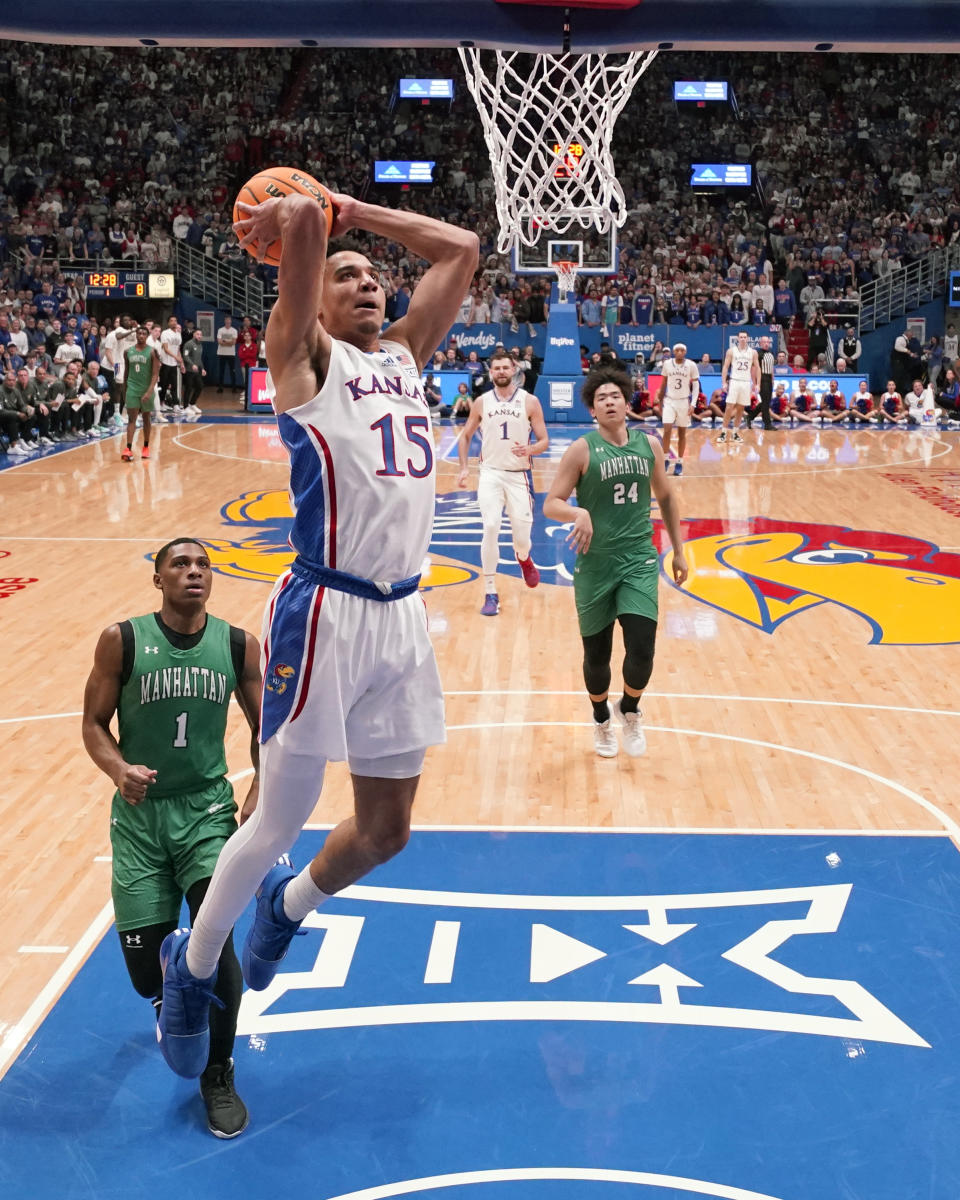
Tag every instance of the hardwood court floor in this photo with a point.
(775, 702)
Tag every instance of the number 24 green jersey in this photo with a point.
(615, 491)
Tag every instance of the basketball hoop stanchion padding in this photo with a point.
(558, 388)
(548, 121)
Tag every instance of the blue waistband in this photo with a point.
(341, 581)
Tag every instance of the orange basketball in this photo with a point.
(283, 181)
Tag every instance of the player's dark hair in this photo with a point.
(162, 553)
(600, 376)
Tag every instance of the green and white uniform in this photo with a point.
(139, 394)
(172, 718)
(621, 570)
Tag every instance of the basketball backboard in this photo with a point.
(800, 25)
(593, 253)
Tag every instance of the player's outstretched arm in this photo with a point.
(669, 510)
(248, 698)
(454, 255)
(466, 435)
(100, 699)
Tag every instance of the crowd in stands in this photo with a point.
(114, 154)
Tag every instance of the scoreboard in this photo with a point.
(128, 285)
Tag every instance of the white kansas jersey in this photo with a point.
(740, 363)
(503, 425)
(683, 380)
(362, 466)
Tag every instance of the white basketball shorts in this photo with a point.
(348, 678)
(676, 412)
(739, 391)
(512, 490)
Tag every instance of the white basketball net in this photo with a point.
(566, 278)
(548, 121)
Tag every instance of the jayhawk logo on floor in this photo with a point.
(760, 571)
(763, 572)
(265, 552)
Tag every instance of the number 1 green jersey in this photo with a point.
(172, 713)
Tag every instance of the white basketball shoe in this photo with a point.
(605, 739)
(634, 739)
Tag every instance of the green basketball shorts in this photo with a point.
(162, 847)
(142, 403)
(613, 587)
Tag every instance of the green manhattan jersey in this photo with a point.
(173, 709)
(620, 572)
(139, 369)
(615, 491)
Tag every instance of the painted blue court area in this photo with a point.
(546, 1016)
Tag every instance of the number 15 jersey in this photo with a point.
(362, 482)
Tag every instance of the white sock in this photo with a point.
(203, 950)
(490, 583)
(301, 896)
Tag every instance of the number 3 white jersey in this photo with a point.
(362, 483)
(683, 380)
(503, 425)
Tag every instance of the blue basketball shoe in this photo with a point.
(272, 931)
(183, 1025)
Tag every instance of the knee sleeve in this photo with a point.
(141, 954)
(490, 548)
(597, 649)
(395, 766)
(522, 541)
(639, 640)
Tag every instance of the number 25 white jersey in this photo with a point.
(740, 364)
(503, 425)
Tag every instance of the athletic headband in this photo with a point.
(679, 346)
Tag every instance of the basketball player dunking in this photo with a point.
(740, 378)
(349, 670)
(506, 414)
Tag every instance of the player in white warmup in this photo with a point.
(740, 379)
(678, 393)
(505, 415)
(349, 670)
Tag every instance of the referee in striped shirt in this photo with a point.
(767, 361)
